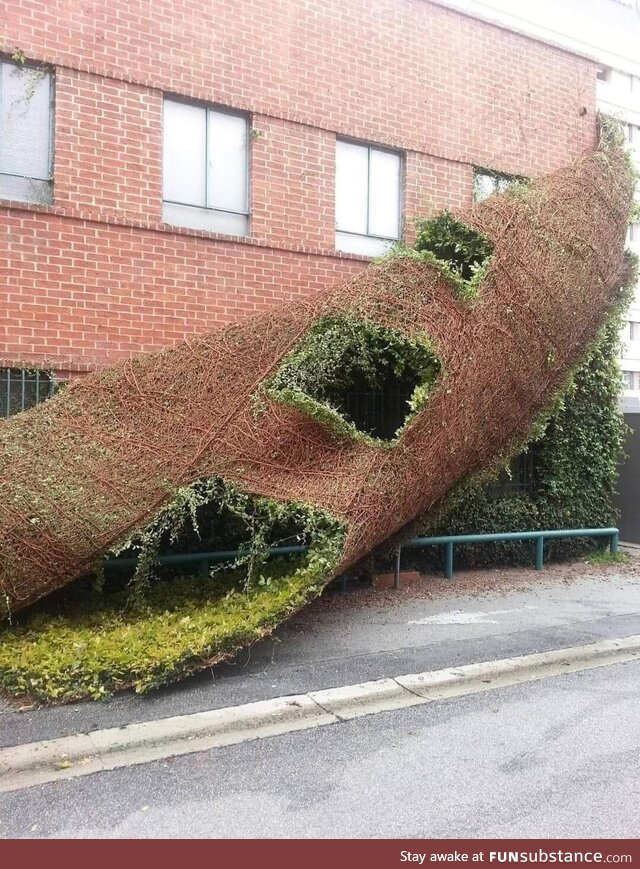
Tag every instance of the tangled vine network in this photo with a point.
(82, 471)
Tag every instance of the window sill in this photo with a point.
(363, 245)
(44, 201)
(205, 219)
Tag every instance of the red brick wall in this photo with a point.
(97, 276)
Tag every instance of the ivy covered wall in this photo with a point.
(567, 476)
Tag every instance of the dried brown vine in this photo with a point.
(79, 473)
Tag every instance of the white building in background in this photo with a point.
(609, 32)
(619, 93)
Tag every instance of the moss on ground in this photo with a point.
(601, 558)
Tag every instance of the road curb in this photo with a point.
(490, 675)
(34, 763)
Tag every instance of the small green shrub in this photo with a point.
(601, 558)
(459, 252)
(455, 243)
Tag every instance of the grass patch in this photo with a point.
(600, 558)
(89, 645)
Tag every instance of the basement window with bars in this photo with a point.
(26, 118)
(205, 168)
(520, 478)
(22, 388)
(368, 198)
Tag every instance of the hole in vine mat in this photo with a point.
(451, 241)
(357, 377)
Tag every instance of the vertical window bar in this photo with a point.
(206, 158)
(247, 163)
(21, 389)
(368, 190)
(51, 127)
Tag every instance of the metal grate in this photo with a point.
(22, 388)
(521, 477)
(379, 410)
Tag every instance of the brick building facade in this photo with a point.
(96, 274)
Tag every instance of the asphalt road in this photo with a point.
(365, 634)
(559, 758)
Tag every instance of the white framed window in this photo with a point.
(633, 234)
(205, 168)
(368, 198)
(26, 148)
(632, 135)
(627, 380)
(631, 381)
(622, 81)
(634, 330)
(485, 183)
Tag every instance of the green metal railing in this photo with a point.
(205, 559)
(538, 536)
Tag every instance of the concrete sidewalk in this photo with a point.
(365, 634)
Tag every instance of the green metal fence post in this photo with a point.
(539, 552)
(613, 543)
(23, 388)
(396, 578)
(448, 560)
